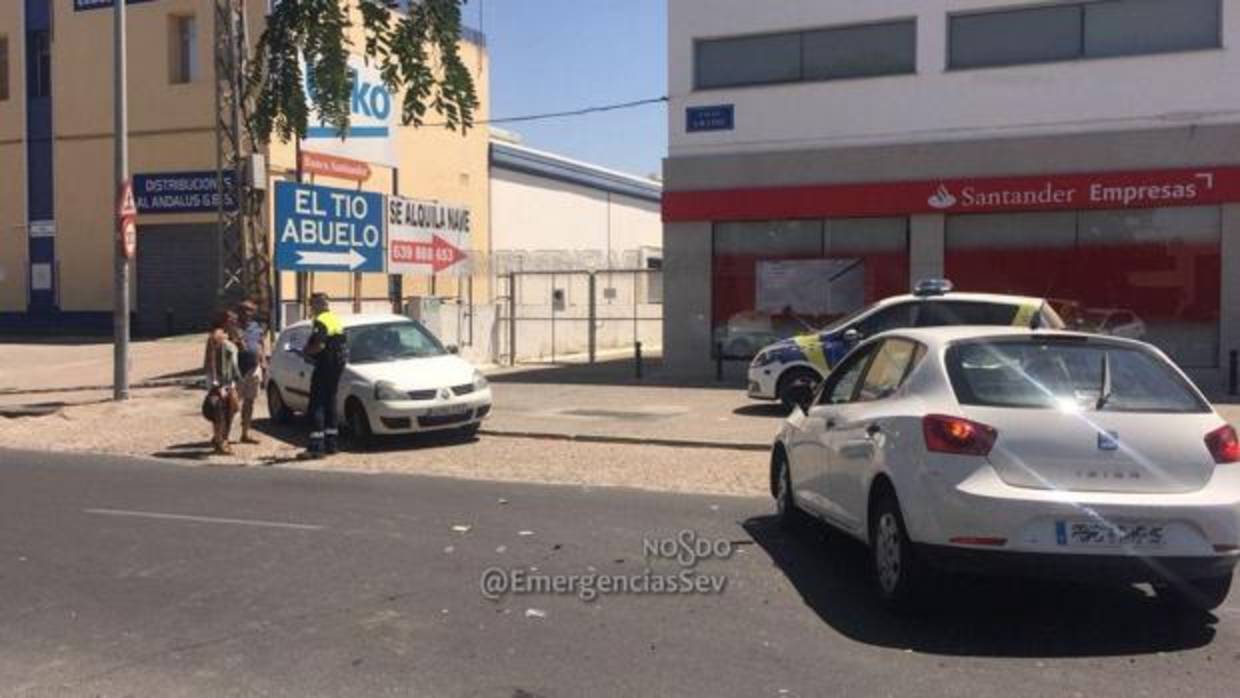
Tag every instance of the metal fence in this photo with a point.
(555, 315)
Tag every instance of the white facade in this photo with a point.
(936, 104)
(541, 218)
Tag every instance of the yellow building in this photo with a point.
(57, 200)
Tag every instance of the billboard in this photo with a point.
(428, 237)
(372, 125)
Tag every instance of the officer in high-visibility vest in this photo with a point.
(328, 349)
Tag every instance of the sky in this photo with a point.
(560, 55)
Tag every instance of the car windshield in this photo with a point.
(1067, 374)
(846, 320)
(391, 341)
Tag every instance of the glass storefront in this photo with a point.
(1150, 274)
(776, 279)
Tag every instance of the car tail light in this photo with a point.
(1223, 444)
(957, 435)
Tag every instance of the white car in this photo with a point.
(990, 449)
(400, 379)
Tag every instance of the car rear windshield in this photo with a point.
(1076, 374)
(391, 341)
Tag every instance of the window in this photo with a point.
(887, 48)
(893, 317)
(1160, 267)
(1050, 373)
(39, 64)
(1083, 30)
(943, 313)
(777, 279)
(842, 382)
(390, 342)
(182, 49)
(4, 68)
(888, 369)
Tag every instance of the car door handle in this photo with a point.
(873, 430)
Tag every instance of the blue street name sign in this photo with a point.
(328, 229)
(181, 192)
(718, 117)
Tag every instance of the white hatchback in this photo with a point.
(400, 379)
(989, 449)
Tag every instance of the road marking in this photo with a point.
(202, 519)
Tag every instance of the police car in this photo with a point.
(782, 369)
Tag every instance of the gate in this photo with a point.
(575, 314)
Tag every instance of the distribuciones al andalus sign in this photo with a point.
(1104, 190)
(427, 237)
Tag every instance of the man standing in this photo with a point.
(252, 360)
(328, 350)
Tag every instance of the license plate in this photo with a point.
(1097, 534)
(448, 410)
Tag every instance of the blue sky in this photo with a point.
(557, 55)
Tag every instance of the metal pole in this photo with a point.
(120, 303)
(592, 333)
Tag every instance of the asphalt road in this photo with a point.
(131, 578)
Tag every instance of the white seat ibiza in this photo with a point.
(989, 449)
(399, 379)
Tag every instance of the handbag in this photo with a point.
(211, 405)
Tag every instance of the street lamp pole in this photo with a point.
(120, 302)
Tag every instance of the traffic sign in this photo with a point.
(126, 207)
(128, 237)
(328, 229)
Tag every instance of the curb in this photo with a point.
(145, 385)
(626, 440)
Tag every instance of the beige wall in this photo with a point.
(13, 245)
(172, 129)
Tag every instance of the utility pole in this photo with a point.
(120, 302)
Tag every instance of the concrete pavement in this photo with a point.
(122, 578)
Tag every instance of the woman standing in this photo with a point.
(220, 365)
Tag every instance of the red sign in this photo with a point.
(334, 166)
(1108, 190)
(439, 253)
(127, 238)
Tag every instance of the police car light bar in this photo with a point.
(932, 287)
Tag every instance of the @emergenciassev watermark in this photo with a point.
(686, 548)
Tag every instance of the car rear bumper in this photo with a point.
(1092, 568)
(1201, 526)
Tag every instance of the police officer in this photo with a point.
(328, 349)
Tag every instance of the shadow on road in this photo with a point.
(765, 409)
(297, 434)
(973, 616)
(614, 372)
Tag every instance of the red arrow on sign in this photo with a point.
(438, 253)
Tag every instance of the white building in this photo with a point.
(1083, 151)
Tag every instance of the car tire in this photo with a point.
(360, 434)
(1195, 594)
(787, 513)
(899, 575)
(792, 378)
(276, 407)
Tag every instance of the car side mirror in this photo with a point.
(801, 396)
(852, 335)
(453, 349)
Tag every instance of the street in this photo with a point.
(126, 577)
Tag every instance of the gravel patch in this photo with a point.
(165, 423)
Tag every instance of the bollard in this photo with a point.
(637, 355)
(1232, 377)
(719, 361)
